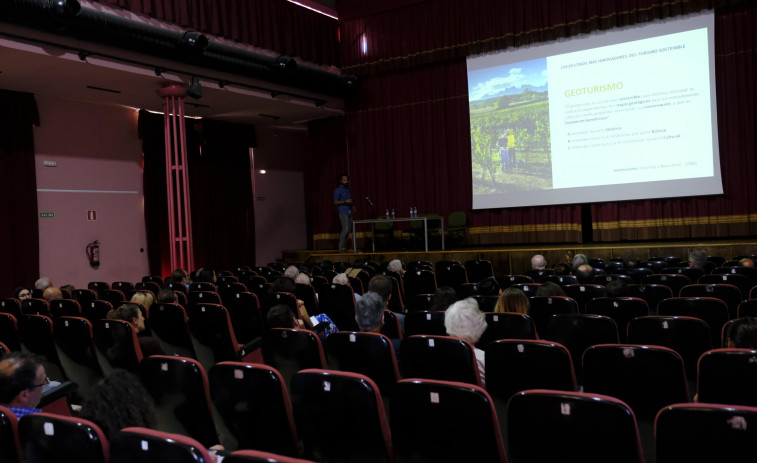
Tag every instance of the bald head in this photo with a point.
(538, 262)
(52, 293)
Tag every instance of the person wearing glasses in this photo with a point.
(22, 379)
(22, 293)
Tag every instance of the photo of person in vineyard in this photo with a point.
(509, 114)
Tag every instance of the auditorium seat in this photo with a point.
(506, 325)
(546, 426)
(636, 274)
(705, 433)
(370, 354)
(439, 357)
(728, 376)
(169, 325)
(578, 332)
(749, 272)
(244, 310)
(651, 293)
(10, 449)
(620, 309)
(605, 279)
(478, 269)
(96, 310)
(36, 335)
(76, 350)
(9, 334)
(452, 274)
(65, 308)
(443, 421)
(202, 286)
(582, 294)
(674, 281)
(539, 275)
(203, 297)
(391, 327)
(143, 445)
(253, 402)
(338, 302)
(179, 388)
(688, 336)
(562, 280)
(11, 306)
(35, 306)
(713, 311)
(48, 438)
(729, 294)
(289, 351)
(740, 281)
(306, 293)
(429, 323)
(486, 303)
(117, 345)
(125, 287)
(420, 303)
(340, 417)
(528, 288)
(114, 296)
(542, 308)
(256, 456)
(506, 281)
(418, 281)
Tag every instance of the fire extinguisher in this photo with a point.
(93, 253)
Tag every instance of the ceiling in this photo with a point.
(51, 66)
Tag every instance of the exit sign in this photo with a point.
(47, 215)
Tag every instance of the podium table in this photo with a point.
(425, 221)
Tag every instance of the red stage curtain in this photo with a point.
(220, 185)
(19, 230)
(270, 24)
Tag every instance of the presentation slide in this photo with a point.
(617, 115)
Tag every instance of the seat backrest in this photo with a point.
(688, 336)
(306, 293)
(289, 351)
(35, 306)
(646, 378)
(243, 393)
(427, 423)
(321, 400)
(65, 308)
(113, 296)
(125, 287)
(477, 270)
(143, 445)
(674, 281)
(582, 293)
(96, 310)
(370, 354)
(728, 376)
(506, 325)
(430, 323)
(10, 449)
(604, 279)
(212, 334)
(9, 331)
(577, 332)
(713, 311)
(486, 303)
(391, 327)
(516, 364)
(562, 280)
(203, 297)
(117, 345)
(452, 275)
(84, 295)
(256, 456)
(148, 286)
(45, 437)
(620, 309)
(36, 333)
(169, 325)
(548, 426)
(729, 294)
(543, 307)
(419, 281)
(704, 432)
(444, 358)
(743, 282)
(747, 308)
(653, 294)
(338, 302)
(75, 345)
(11, 306)
(244, 311)
(179, 388)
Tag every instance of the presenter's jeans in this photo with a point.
(346, 220)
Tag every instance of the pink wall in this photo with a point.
(99, 168)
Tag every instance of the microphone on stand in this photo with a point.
(369, 201)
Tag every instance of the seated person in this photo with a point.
(550, 289)
(617, 288)
(369, 315)
(444, 297)
(52, 293)
(167, 296)
(464, 320)
(281, 316)
(584, 274)
(489, 286)
(22, 379)
(538, 262)
(21, 293)
(341, 279)
(512, 300)
(743, 333)
(131, 313)
(562, 269)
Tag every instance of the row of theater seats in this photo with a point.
(335, 416)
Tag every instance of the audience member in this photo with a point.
(464, 320)
(146, 299)
(550, 289)
(743, 333)
(444, 297)
(281, 316)
(131, 313)
(341, 279)
(22, 293)
(43, 283)
(698, 259)
(22, 379)
(512, 300)
(538, 262)
(630, 261)
(617, 288)
(746, 262)
(369, 315)
(584, 274)
(51, 293)
(489, 286)
(302, 279)
(119, 401)
(396, 267)
(206, 275)
(180, 276)
(291, 272)
(562, 269)
(167, 296)
(579, 260)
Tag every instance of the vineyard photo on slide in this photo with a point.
(509, 117)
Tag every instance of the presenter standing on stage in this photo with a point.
(343, 201)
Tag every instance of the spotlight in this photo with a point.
(194, 41)
(195, 89)
(284, 63)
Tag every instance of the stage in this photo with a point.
(516, 259)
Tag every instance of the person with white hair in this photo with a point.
(464, 320)
(292, 271)
(302, 279)
(396, 267)
(538, 262)
(43, 283)
(341, 279)
(579, 260)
